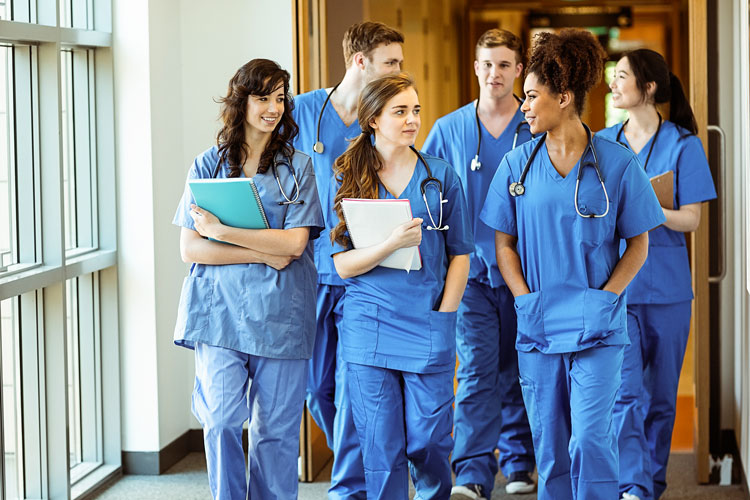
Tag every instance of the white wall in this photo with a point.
(172, 58)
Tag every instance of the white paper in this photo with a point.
(372, 221)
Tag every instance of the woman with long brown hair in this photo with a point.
(248, 306)
(398, 335)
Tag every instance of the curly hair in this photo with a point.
(572, 60)
(258, 77)
(357, 169)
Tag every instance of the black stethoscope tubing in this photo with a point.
(475, 163)
(294, 200)
(651, 148)
(318, 147)
(518, 188)
(423, 189)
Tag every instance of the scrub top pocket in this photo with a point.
(593, 230)
(530, 315)
(603, 314)
(195, 305)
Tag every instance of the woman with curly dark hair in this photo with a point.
(248, 306)
(560, 204)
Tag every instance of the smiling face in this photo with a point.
(383, 60)
(625, 91)
(496, 69)
(542, 107)
(398, 123)
(263, 113)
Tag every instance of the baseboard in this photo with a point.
(153, 463)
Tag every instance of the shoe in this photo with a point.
(467, 492)
(520, 482)
(629, 496)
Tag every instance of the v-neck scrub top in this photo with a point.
(390, 316)
(454, 139)
(335, 136)
(566, 259)
(665, 277)
(253, 308)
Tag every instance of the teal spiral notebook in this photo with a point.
(234, 201)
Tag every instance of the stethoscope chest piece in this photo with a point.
(318, 147)
(475, 164)
(516, 189)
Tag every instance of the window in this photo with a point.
(58, 278)
(79, 174)
(10, 400)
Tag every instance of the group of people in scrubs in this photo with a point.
(530, 228)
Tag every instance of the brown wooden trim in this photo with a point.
(698, 91)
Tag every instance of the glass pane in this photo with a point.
(8, 230)
(74, 373)
(11, 398)
(5, 10)
(66, 14)
(68, 155)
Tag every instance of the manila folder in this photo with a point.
(663, 185)
(370, 222)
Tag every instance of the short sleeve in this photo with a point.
(435, 143)
(499, 210)
(307, 214)
(638, 208)
(182, 216)
(459, 239)
(694, 183)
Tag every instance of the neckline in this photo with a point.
(652, 140)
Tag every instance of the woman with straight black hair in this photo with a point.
(659, 297)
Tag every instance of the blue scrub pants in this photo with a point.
(664, 330)
(327, 398)
(570, 399)
(221, 403)
(401, 418)
(635, 457)
(489, 405)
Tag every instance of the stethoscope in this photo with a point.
(436, 185)
(518, 189)
(651, 148)
(318, 146)
(294, 200)
(475, 163)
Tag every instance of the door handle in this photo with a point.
(722, 199)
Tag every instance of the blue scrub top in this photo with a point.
(566, 259)
(253, 308)
(454, 139)
(665, 277)
(335, 137)
(390, 316)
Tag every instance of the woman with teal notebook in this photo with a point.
(247, 308)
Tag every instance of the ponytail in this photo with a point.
(357, 172)
(357, 169)
(650, 66)
(680, 111)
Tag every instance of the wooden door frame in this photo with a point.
(698, 95)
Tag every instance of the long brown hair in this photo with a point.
(357, 169)
(258, 77)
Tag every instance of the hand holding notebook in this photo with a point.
(371, 222)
